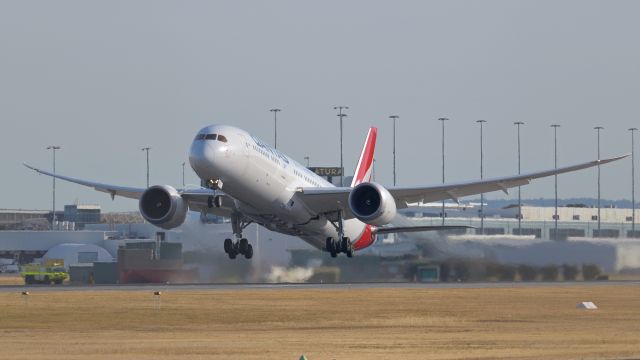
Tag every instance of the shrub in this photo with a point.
(527, 273)
(590, 272)
(569, 272)
(550, 273)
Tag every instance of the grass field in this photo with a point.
(526, 323)
(11, 279)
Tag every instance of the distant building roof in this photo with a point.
(23, 211)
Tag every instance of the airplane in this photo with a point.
(249, 181)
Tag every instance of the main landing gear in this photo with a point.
(343, 243)
(241, 245)
(238, 247)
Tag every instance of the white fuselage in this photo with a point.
(265, 183)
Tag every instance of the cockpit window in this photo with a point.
(221, 138)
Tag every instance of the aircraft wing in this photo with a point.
(332, 199)
(406, 229)
(198, 199)
(113, 190)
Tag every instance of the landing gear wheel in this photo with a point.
(345, 244)
(29, 279)
(329, 245)
(232, 254)
(228, 245)
(249, 253)
(350, 253)
(332, 247)
(46, 280)
(243, 246)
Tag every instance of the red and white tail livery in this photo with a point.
(364, 169)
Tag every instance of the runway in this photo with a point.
(314, 286)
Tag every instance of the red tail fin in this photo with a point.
(365, 164)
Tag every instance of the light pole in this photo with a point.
(555, 162)
(53, 149)
(518, 123)
(183, 173)
(597, 129)
(373, 170)
(275, 127)
(394, 118)
(443, 119)
(633, 185)
(481, 122)
(307, 158)
(341, 115)
(147, 150)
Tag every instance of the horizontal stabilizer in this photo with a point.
(401, 229)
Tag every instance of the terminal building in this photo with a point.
(12, 218)
(74, 217)
(573, 221)
(81, 215)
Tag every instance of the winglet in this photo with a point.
(30, 167)
(365, 164)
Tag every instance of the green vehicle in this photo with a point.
(51, 271)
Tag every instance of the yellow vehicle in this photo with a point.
(50, 271)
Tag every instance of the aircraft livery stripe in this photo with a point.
(365, 240)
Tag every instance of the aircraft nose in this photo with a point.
(202, 158)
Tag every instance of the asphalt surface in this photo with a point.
(306, 286)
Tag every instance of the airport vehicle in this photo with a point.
(50, 271)
(249, 181)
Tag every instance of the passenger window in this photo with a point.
(222, 138)
(210, 137)
(199, 137)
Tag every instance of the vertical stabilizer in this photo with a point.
(365, 164)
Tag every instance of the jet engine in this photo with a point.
(372, 203)
(162, 206)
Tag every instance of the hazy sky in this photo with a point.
(103, 79)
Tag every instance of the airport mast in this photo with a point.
(341, 115)
(481, 122)
(183, 174)
(518, 123)
(53, 148)
(394, 118)
(633, 186)
(597, 129)
(275, 127)
(443, 119)
(147, 150)
(555, 162)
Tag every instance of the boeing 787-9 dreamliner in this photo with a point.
(248, 181)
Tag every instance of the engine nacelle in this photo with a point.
(372, 203)
(162, 206)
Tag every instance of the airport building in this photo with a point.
(615, 250)
(573, 222)
(11, 218)
(81, 215)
